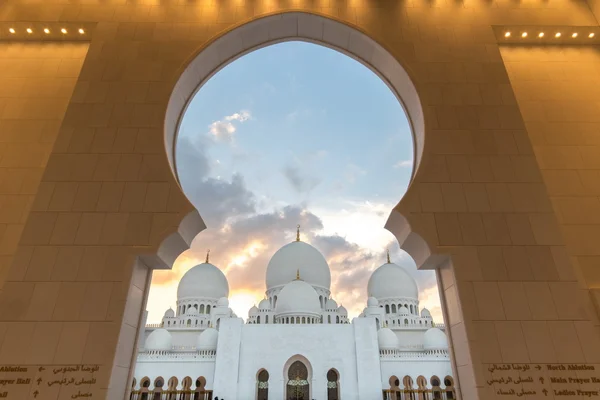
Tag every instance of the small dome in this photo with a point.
(159, 339)
(434, 339)
(425, 313)
(253, 311)
(392, 281)
(372, 302)
(208, 339)
(298, 297)
(169, 313)
(331, 304)
(294, 257)
(342, 311)
(223, 302)
(387, 339)
(264, 305)
(403, 311)
(203, 280)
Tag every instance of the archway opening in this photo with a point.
(297, 383)
(262, 385)
(415, 121)
(333, 384)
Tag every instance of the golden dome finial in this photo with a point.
(298, 233)
(298, 274)
(388, 256)
(207, 254)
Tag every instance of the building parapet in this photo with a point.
(413, 355)
(166, 355)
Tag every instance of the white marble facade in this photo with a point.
(298, 328)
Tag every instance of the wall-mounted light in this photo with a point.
(81, 31)
(29, 30)
(557, 34)
(11, 30)
(541, 34)
(507, 34)
(46, 31)
(64, 31)
(591, 35)
(574, 35)
(524, 34)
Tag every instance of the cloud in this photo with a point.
(241, 116)
(242, 239)
(243, 244)
(404, 164)
(301, 182)
(215, 199)
(224, 129)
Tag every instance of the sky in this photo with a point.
(294, 133)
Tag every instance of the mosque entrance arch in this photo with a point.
(298, 385)
(269, 30)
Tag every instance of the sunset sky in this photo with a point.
(294, 133)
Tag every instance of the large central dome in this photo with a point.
(298, 297)
(294, 257)
(392, 281)
(203, 280)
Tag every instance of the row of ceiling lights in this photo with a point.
(556, 35)
(46, 31)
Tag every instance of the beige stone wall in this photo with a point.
(557, 90)
(36, 84)
(73, 293)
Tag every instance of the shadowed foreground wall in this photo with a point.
(73, 294)
(558, 93)
(36, 84)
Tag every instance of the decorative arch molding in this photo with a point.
(176, 243)
(414, 234)
(309, 369)
(292, 26)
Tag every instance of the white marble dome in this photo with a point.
(435, 339)
(403, 311)
(372, 302)
(331, 304)
(298, 297)
(223, 302)
(208, 339)
(169, 313)
(159, 339)
(191, 311)
(342, 311)
(387, 339)
(203, 280)
(294, 257)
(264, 305)
(425, 313)
(253, 311)
(392, 281)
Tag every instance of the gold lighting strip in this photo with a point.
(46, 31)
(548, 35)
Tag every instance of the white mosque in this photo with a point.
(298, 343)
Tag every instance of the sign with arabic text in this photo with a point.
(544, 380)
(49, 381)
